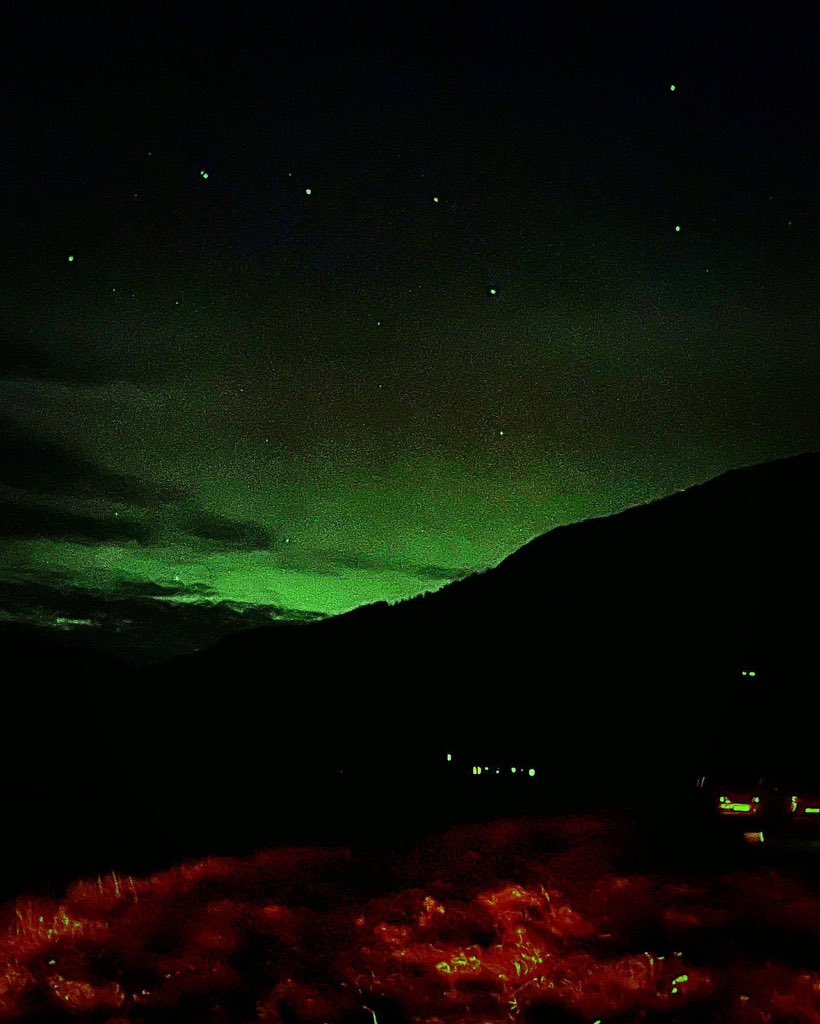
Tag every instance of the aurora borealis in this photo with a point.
(305, 310)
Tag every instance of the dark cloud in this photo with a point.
(223, 532)
(34, 465)
(21, 520)
(334, 563)
(37, 522)
(31, 462)
(135, 621)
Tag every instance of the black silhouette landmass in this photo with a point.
(610, 655)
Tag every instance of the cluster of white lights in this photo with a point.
(478, 770)
(749, 672)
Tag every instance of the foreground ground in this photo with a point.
(548, 920)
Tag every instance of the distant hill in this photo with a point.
(724, 570)
(609, 649)
(609, 653)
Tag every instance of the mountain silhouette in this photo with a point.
(614, 655)
(610, 651)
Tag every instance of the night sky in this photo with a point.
(305, 309)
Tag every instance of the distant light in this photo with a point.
(435, 199)
(70, 259)
(498, 771)
(752, 674)
(756, 800)
(449, 757)
(811, 810)
(204, 174)
(754, 837)
(681, 979)
(677, 227)
(531, 772)
(672, 88)
(308, 191)
(513, 770)
(477, 770)
(486, 769)
(493, 291)
(744, 672)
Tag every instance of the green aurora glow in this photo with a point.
(347, 321)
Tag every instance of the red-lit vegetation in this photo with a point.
(492, 923)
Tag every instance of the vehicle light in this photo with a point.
(811, 810)
(738, 808)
